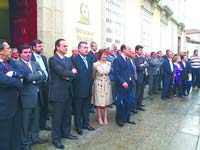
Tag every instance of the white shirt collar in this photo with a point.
(25, 61)
(60, 56)
(123, 56)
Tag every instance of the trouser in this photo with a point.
(82, 109)
(10, 132)
(30, 125)
(61, 119)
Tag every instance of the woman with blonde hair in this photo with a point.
(177, 78)
(102, 93)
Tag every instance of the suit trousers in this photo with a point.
(44, 104)
(61, 119)
(10, 132)
(30, 125)
(139, 93)
(82, 109)
(196, 77)
(134, 94)
(153, 82)
(167, 89)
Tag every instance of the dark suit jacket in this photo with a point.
(92, 56)
(123, 71)
(82, 84)
(186, 70)
(29, 91)
(140, 69)
(60, 88)
(167, 69)
(8, 92)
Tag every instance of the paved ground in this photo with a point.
(165, 125)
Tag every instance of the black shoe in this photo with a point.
(155, 92)
(169, 97)
(45, 128)
(58, 145)
(25, 147)
(110, 106)
(140, 108)
(150, 93)
(130, 122)
(120, 124)
(163, 98)
(70, 136)
(142, 105)
(90, 128)
(39, 141)
(79, 131)
(135, 111)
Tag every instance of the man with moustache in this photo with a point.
(37, 47)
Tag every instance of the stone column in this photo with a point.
(49, 23)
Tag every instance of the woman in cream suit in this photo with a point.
(102, 93)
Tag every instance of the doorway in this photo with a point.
(19, 19)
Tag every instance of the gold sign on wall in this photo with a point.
(84, 14)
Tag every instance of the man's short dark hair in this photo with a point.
(35, 42)
(152, 53)
(159, 52)
(22, 47)
(138, 47)
(1, 44)
(195, 50)
(182, 56)
(57, 43)
(80, 43)
(123, 46)
(92, 43)
(167, 51)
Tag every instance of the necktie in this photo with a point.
(42, 65)
(6, 64)
(85, 61)
(126, 60)
(64, 61)
(29, 66)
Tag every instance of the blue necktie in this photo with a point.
(85, 61)
(64, 61)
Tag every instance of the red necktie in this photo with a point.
(6, 64)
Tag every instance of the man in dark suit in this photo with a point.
(30, 98)
(134, 80)
(185, 65)
(168, 75)
(124, 74)
(37, 47)
(93, 56)
(9, 100)
(153, 69)
(160, 74)
(141, 64)
(62, 73)
(93, 52)
(82, 88)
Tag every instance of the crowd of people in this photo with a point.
(89, 79)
